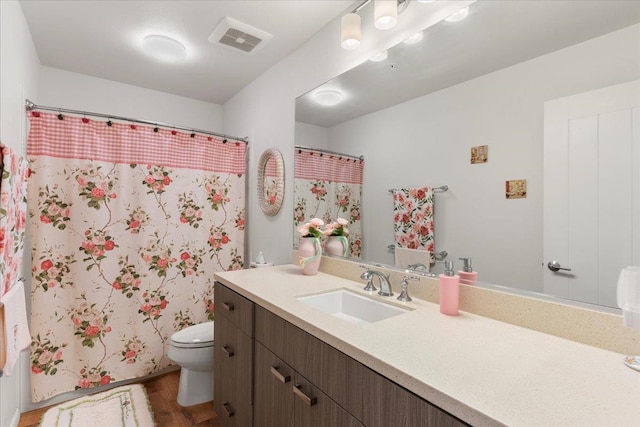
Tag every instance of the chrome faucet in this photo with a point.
(404, 285)
(418, 266)
(385, 287)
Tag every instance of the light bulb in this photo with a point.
(385, 13)
(350, 31)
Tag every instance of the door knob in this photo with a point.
(555, 266)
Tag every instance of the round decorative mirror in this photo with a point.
(270, 181)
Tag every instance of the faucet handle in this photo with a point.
(366, 275)
(404, 284)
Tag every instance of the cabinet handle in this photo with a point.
(282, 378)
(309, 401)
(228, 306)
(228, 409)
(228, 350)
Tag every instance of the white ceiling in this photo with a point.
(495, 35)
(103, 39)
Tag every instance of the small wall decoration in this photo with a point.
(516, 189)
(479, 154)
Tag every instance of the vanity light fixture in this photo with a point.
(351, 31)
(416, 38)
(385, 14)
(328, 97)
(164, 48)
(379, 57)
(459, 15)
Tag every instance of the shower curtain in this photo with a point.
(329, 186)
(128, 225)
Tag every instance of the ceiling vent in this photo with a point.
(239, 36)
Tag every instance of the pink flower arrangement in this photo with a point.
(312, 228)
(337, 228)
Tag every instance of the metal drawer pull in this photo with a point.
(282, 378)
(228, 350)
(309, 401)
(228, 409)
(228, 306)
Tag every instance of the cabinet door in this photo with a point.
(234, 307)
(387, 404)
(232, 379)
(314, 409)
(273, 398)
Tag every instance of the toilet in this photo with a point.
(192, 349)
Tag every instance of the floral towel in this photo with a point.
(413, 219)
(13, 216)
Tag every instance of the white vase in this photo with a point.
(309, 255)
(337, 245)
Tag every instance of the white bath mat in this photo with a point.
(125, 406)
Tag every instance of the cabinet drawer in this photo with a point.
(232, 374)
(234, 307)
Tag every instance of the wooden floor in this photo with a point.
(162, 392)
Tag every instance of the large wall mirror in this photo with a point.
(551, 88)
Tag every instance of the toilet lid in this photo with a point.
(197, 335)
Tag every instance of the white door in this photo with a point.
(591, 208)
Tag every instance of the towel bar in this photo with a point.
(438, 255)
(442, 188)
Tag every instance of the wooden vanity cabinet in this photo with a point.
(292, 379)
(233, 358)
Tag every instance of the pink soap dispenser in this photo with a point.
(449, 290)
(467, 275)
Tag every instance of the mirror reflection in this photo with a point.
(528, 112)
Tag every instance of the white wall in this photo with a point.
(427, 141)
(265, 109)
(19, 66)
(59, 88)
(311, 136)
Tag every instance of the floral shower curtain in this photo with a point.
(329, 186)
(128, 225)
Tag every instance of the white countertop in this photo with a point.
(483, 371)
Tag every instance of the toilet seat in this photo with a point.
(196, 336)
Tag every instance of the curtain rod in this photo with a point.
(322, 150)
(30, 106)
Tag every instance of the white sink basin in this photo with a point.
(351, 306)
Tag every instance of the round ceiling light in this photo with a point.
(164, 48)
(459, 15)
(328, 97)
